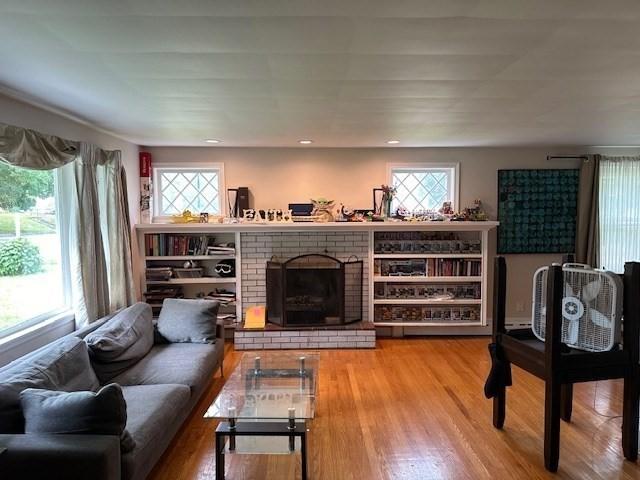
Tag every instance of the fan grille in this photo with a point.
(591, 308)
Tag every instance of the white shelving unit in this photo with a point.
(192, 286)
(382, 308)
(232, 232)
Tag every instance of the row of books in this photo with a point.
(386, 313)
(429, 246)
(429, 267)
(164, 244)
(427, 292)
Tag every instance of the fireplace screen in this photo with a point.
(314, 290)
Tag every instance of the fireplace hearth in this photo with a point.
(314, 290)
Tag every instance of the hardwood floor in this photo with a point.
(415, 409)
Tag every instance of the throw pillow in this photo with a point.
(62, 365)
(101, 413)
(121, 342)
(188, 321)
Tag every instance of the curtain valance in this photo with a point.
(27, 148)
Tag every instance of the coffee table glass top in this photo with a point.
(269, 386)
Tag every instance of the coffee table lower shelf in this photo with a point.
(228, 432)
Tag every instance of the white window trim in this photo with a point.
(187, 166)
(35, 336)
(431, 166)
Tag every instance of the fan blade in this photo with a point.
(599, 319)
(591, 290)
(574, 326)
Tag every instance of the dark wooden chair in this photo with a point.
(560, 366)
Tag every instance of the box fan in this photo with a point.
(591, 307)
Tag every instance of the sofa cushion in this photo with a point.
(190, 364)
(63, 365)
(100, 413)
(151, 410)
(187, 320)
(121, 342)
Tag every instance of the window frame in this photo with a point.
(158, 217)
(453, 167)
(62, 219)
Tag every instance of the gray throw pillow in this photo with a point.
(62, 365)
(121, 342)
(101, 413)
(188, 321)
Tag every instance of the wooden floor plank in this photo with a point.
(413, 409)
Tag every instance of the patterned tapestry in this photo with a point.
(537, 211)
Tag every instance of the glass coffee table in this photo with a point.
(265, 405)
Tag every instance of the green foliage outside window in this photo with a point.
(20, 187)
(19, 257)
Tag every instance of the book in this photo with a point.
(255, 317)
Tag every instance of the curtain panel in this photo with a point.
(619, 198)
(116, 229)
(94, 222)
(587, 226)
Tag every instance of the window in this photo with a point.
(424, 187)
(32, 273)
(619, 214)
(197, 189)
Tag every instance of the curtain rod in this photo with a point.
(574, 157)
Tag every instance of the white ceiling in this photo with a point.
(342, 72)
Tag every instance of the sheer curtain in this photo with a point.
(619, 212)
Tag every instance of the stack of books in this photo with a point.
(159, 273)
(225, 297)
(156, 294)
(221, 249)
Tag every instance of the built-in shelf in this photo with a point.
(423, 279)
(465, 231)
(426, 301)
(190, 257)
(190, 281)
(426, 255)
(428, 324)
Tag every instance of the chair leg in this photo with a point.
(566, 393)
(552, 407)
(499, 407)
(630, 412)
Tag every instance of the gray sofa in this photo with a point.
(160, 392)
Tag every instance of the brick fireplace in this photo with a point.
(261, 247)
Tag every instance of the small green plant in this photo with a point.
(19, 257)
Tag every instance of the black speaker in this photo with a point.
(243, 199)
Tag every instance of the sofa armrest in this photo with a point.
(69, 457)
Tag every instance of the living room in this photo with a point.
(324, 240)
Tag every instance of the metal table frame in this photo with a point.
(233, 428)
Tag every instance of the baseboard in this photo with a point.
(518, 322)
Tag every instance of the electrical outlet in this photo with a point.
(520, 307)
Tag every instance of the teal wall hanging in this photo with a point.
(537, 210)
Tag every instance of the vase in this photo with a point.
(386, 206)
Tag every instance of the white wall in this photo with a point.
(278, 176)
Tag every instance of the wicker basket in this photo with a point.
(188, 272)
